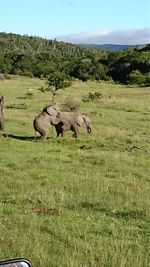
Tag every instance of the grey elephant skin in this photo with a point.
(72, 121)
(1, 115)
(45, 120)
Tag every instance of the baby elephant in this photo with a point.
(44, 121)
(1, 115)
(72, 121)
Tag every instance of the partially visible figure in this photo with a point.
(12, 265)
(15, 264)
(1, 115)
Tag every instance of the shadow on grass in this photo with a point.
(38, 138)
(23, 138)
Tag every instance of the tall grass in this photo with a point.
(86, 202)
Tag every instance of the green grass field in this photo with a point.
(76, 202)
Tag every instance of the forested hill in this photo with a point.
(110, 47)
(37, 45)
(35, 56)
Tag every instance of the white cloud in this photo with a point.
(105, 36)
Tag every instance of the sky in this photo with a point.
(79, 21)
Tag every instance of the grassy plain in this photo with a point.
(76, 203)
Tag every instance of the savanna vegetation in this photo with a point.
(75, 202)
(37, 57)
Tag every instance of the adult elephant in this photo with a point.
(45, 120)
(1, 115)
(72, 121)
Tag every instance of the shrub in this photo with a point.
(71, 104)
(28, 95)
(1, 77)
(136, 77)
(7, 77)
(92, 97)
(42, 89)
(147, 79)
(17, 106)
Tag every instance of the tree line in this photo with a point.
(43, 58)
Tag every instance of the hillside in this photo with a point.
(110, 47)
(38, 57)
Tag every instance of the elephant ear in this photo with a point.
(87, 123)
(79, 120)
(50, 110)
(86, 120)
(84, 117)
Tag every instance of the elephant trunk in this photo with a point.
(89, 130)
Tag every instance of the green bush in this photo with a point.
(71, 104)
(136, 77)
(92, 97)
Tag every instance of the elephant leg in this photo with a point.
(35, 137)
(58, 130)
(61, 128)
(66, 127)
(62, 133)
(1, 135)
(59, 134)
(45, 132)
(44, 135)
(1, 123)
(75, 130)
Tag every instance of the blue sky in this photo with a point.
(99, 21)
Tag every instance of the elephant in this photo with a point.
(45, 120)
(1, 115)
(72, 121)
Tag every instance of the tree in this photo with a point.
(82, 69)
(58, 80)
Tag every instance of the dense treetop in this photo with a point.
(35, 56)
